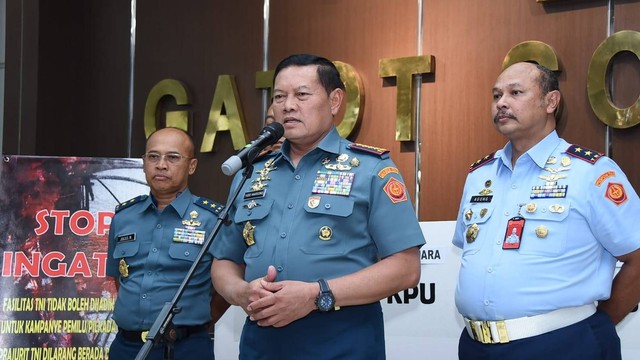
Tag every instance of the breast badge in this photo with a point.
(123, 268)
(313, 201)
(325, 233)
(542, 231)
(472, 233)
(247, 233)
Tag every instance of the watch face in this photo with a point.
(325, 302)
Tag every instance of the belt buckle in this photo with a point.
(143, 336)
(482, 331)
(502, 331)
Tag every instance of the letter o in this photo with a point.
(599, 98)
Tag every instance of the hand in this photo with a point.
(254, 291)
(288, 301)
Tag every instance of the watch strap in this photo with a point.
(324, 286)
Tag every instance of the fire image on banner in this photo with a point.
(55, 213)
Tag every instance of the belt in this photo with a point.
(176, 333)
(503, 331)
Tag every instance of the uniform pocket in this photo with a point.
(249, 217)
(331, 229)
(544, 234)
(473, 217)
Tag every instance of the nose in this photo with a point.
(289, 103)
(500, 102)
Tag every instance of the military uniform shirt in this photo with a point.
(159, 248)
(580, 211)
(337, 212)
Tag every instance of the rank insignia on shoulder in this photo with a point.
(380, 152)
(208, 204)
(580, 152)
(126, 204)
(481, 162)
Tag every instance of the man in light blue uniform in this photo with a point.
(572, 212)
(320, 233)
(153, 242)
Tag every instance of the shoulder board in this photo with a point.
(126, 204)
(580, 152)
(209, 204)
(380, 152)
(485, 160)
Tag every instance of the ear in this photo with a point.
(552, 101)
(193, 164)
(335, 97)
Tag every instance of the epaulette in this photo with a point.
(380, 152)
(126, 204)
(208, 204)
(485, 160)
(580, 152)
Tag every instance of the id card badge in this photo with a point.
(513, 234)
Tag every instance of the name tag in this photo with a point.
(481, 198)
(125, 238)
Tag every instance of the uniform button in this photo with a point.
(154, 250)
(280, 268)
(290, 206)
(489, 269)
(158, 226)
(327, 206)
(498, 242)
(298, 177)
(544, 210)
(486, 302)
(506, 213)
(122, 252)
(186, 253)
(144, 296)
(283, 235)
(249, 212)
(514, 186)
(149, 273)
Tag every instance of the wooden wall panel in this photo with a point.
(470, 41)
(195, 42)
(626, 90)
(61, 102)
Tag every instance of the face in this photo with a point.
(519, 110)
(303, 106)
(270, 118)
(163, 176)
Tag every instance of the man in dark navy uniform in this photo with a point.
(153, 241)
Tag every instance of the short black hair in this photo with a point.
(548, 80)
(328, 74)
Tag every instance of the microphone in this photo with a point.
(269, 135)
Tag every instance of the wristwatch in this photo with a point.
(325, 300)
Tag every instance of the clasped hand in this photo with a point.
(279, 303)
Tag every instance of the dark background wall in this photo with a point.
(68, 74)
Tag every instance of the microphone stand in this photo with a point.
(162, 326)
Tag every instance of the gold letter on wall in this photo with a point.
(225, 97)
(179, 119)
(537, 51)
(404, 69)
(599, 97)
(354, 100)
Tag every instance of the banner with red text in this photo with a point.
(54, 216)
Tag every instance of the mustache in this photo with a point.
(504, 114)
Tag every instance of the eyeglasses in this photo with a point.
(171, 158)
